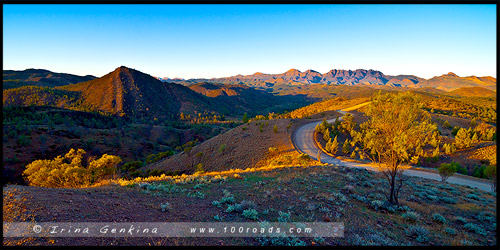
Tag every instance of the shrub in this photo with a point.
(419, 232)
(479, 171)
(68, 171)
(473, 196)
(377, 204)
(217, 218)
(462, 170)
(348, 189)
(199, 168)
(231, 208)
(460, 220)
(273, 150)
(304, 158)
(250, 214)
(165, 207)
(196, 194)
(131, 166)
(438, 218)
(450, 231)
(284, 217)
(339, 197)
(157, 157)
(227, 199)
(411, 216)
(222, 148)
(216, 203)
(275, 129)
(448, 200)
(246, 204)
(475, 228)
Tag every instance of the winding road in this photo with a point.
(303, 141)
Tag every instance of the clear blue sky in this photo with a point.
(205, 41)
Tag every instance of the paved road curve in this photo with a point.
(303, 141)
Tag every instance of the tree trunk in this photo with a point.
(393, 180)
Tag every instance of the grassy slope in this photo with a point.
(244, 148)
(315, 193)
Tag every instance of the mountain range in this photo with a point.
(131, 93)
(359, 77)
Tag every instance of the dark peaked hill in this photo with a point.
(40, 78)
(129, 92)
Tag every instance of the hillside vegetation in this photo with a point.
(39, 78)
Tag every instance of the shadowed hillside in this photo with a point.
(241, 98)
(474, 91)
(40, 78)
(130, 92)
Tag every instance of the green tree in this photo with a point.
(446, 124)
(346, 148)
(336, 124)
(326, 135)
(245, 118)
(490, 135)
(347, 124)
(435, 153)
(446, 170)
(334, 146)
(474, 138)
(397, 126)
(455, 130)
(462, 139)
(449, 148)
(328, 145)
(353, 154)
(275, 129)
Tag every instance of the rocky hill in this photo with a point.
(357, 77)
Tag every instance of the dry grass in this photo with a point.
(468, 207)
(15, 210)
(487, 153)
(245, 146)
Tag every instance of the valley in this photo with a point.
(186, 149)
